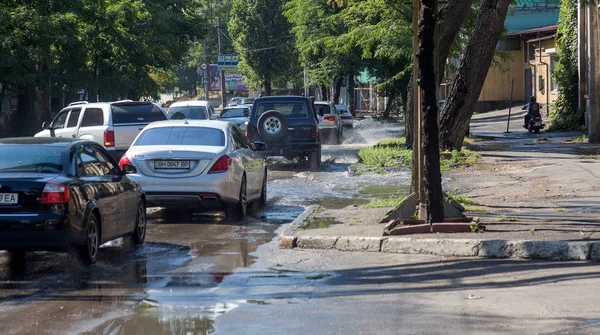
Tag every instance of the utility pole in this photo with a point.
(222, 73)
(205, 80)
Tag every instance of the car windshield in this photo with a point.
(187, 112)
(292, 110)
(233, 112)
(181, 136)
(135, 113)
(35, 159)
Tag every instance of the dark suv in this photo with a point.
(288, 126)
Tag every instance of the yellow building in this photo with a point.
(530, 62)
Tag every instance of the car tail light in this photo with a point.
(109, 138)
(221, 165)
(314, 132)
(55, 193)
(249, 132)
(124, 161)
(329, 118)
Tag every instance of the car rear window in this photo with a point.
(181, 136)
(34, 159)
(136, 113)
(292, 110)
(187, 112)
(234, 112)
(322, 109)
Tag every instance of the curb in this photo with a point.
(524, 249)
(286, 239)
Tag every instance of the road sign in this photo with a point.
(228, 62)
(204, 80)
(203, 66)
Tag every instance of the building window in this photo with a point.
(553, 83)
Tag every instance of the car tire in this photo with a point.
(272, 125)
(88, 252)
(238, 210)
(138, 235)
(314, 160)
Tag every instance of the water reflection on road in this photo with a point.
(194, 266)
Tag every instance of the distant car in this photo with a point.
(330, 123)
(192, 110)
(112, 124)
(198, 164)
(345, 115)
(56, 193)
(289, 127)
(239, 115)
(234, 101)
(247, 101)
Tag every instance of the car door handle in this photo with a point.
(73, 135)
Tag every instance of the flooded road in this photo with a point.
(194, 267)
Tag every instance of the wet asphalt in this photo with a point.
(188, 272)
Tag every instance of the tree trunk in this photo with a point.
(25, 122)
(267, 85)
(324, 93)
(390, 105)
(472, 72)
(339, 80)
(434, 198)
(453, 15)
(409, 115)
(351, 95)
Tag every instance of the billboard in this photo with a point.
(233, 81)
(214, 78)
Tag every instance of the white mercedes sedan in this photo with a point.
(198, 164)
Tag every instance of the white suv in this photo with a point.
(112, 124)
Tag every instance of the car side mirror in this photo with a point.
(128, 169)
(45, 125)
(259, 146)
(246, 113)
(214, 117)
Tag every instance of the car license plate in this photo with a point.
(175, 165)
(9, 199)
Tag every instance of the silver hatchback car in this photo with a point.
(198, 164)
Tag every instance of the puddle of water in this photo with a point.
(319, 222)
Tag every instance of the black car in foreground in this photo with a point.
(61, 194)
(288, 126)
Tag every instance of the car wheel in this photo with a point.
(314, 160)
(238, 210)
(272, 125)
(138, 236)
(91, 245)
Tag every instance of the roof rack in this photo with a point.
(120, 101)
(78, 103)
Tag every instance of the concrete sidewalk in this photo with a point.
(537, 195)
